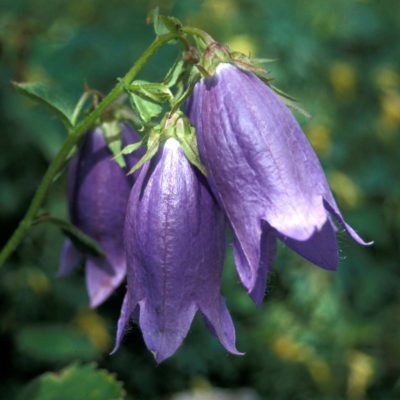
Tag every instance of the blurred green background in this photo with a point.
(318, 335)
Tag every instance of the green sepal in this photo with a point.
(75, 382)
(290, 101)
(112, 134)
(174, 74)
(153, 143)
(82, 242)
(158, 92)
(46, 95)
(194, 77)
(186, 135)
(282, 93)
(130, 148)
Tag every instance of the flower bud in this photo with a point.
(98, 191)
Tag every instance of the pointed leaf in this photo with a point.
(47, 95)
(147, 109)
(170, 24)
(77, 382)
(163, 24)
(83, 242)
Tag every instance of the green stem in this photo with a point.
(72, 139)
(207, 39)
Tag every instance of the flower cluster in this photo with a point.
(263, 180)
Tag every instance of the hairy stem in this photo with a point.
(72, 139)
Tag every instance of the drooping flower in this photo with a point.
(175, 244)
(264, 173)
(98, 192)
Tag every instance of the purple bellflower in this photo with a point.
(98, 192)
(175, 245)
(265, 175)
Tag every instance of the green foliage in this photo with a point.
(48, 96)
(54, 343)
(77, 382)
(146, 107)
(164, 24)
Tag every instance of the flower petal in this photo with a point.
(332, 207)
(220, 323)
(321, 248)
(102, 278)
(128, 312)
(70, 258)
(267, 257)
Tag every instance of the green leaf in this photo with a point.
(145, 98)
(53, 343)
(76, 382)
(47, 95)
(82, 242)
(163, 24)
(112, 134)
(169, 24)
(147, 109)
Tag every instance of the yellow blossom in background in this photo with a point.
(288, 349)
(243, 43)
(386, 77)
(38, 281)
(220, 9)
(320, 138)
(390, 105)
(94, 327)
(343, 78)
(387, 81)
(214, 12)
(361, 374)
(346, 190)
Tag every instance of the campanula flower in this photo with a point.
(175, 244)
(98, 191)
(265, 175)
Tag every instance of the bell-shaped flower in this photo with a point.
(175, 244)
(264, 174)
(98, 192)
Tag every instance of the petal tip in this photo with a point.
(334, 210)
